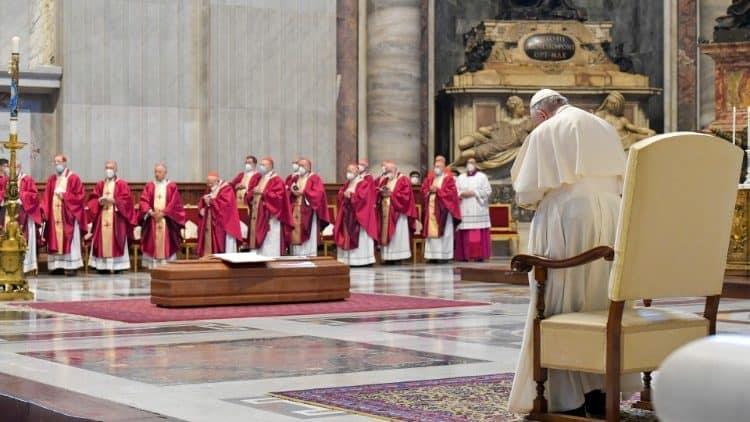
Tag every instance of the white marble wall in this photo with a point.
(15, 19)
(393, 82)
(273, 82)
(196, 83)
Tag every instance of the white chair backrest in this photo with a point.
(673, 231)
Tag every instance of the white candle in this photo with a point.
(14, 127)
(734, 125)
(16, 43)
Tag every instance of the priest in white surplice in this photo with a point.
(473, 241)
(570, 169)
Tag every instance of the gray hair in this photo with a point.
(550, 104)
(161, 164)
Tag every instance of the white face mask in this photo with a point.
(471, 167)
(438, 171)
(415, 180)
(110, 173)
(350, 175)
(262, 169)
(249, 167)
(295, 167)
(302, 171)
(383, 169)
(59, 168)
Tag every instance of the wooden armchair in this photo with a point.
(189, 236)
(668, 245)
(327, 235)
(503, 227)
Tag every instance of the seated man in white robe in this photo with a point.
(570, 170)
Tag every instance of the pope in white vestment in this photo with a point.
(570, 169)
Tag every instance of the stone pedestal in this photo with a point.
(732, 86)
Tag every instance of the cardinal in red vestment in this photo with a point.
(246, 180)
(398, 214)
(356, 227)
(64, 210)
(29, 216)
(113, 214)
(270, 213)
(292, 177)
(441, 212)
(309, 208)
(162, 218)
(219, 229)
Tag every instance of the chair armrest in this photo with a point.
(525, 263)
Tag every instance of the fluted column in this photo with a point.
(394, 82)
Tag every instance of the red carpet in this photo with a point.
(141, 310)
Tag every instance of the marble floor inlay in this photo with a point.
(224, 370)
(250, 359)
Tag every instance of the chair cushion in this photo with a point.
(578, 340)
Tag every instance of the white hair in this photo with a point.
(161, 164)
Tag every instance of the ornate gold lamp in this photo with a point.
(13, 286)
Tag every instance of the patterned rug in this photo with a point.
(141, 310)
(465, 399)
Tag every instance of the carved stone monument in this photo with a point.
(730, 50)
(735, 25)
(537, 44)
(613, 111)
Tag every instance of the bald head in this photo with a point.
(306, 164)
(160, 172)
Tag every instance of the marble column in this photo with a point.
(394, 82)
(42, 37)
(347, 69)
(687, 71)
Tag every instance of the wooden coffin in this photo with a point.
(214, 282)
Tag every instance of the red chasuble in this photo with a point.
(313, 201)
(248, 180)
(271, 200)
(161, 239)
(401, 202)
(438, 205)
(113, 223)
(290, 180)
(356, 213)
(218, 220)
(62, 214)
(30, 207)
(3, 186)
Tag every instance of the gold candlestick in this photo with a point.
(13, 286)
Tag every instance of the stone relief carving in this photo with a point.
(541, 10)
(613, 111)
(735, 25)
(497, 145)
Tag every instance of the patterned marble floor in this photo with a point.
(223, 370)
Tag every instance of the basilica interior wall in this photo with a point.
(197, 84)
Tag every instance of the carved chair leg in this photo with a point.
(645, 401)
(614, 354)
